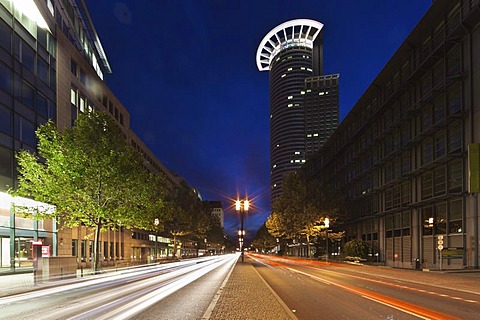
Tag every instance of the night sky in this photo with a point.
(186, 72)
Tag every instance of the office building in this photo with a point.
(321, 111)
(292, 52)
(52, 66)
(406, 156)
(216, 208)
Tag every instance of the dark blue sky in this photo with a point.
(186, 71)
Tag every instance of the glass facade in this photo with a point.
(400, 156)
(18, 232)
(27, 100)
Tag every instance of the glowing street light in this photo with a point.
(327, 225)
(242, 210)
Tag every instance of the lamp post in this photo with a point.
(242, 209)
(327, 225)
(156, 222)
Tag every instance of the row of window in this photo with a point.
(41, 64)
(83, 249)
(441, 218)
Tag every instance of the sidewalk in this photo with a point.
(245, 295)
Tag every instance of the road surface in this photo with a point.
(320, 290)
(180, 290)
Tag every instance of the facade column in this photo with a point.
(12, 238)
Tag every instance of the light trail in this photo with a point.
(118, 296)
(403, 306)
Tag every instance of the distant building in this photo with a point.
(217, 210)
(292, 53)
(406, 156)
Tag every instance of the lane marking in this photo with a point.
(401, 286)
(403, 306)
(394, 307)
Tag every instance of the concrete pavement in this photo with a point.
(244, 295)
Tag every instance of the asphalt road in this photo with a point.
(180, 290)
(319, 290)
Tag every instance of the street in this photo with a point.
(320, 290)
(134, 293)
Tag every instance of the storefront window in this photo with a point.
(23, 252)
(427, 218)
(455, 224)
(441, 219)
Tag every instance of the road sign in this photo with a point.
(440, 247)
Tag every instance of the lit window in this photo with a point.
(296, 161)
(290, 105)
(302, 92)
(303, 160)
(321, 93)
(309, 90)
(315, 134)
(297, 152)
(82, 104)
(302, 68)
(289, 69)
(274, 165)
(308, 69)
(274, 185)
(291, 161)
(284, 75)
(278, 145)
(290, 97)
(73, 96)
(309, 135)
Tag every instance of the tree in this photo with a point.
(187, 214)
(93, 177)
(357, 248)
(301, 209)
(263, 239)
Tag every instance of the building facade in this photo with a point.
(321, 111)
(292, 53)
(216, 208)
(52, 66)
(401, 158)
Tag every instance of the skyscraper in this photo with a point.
(292, 52)
(321, 111)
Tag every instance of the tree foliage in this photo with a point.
(189, 216)
(357, 248)
(301, 209)
(263, 240)
(93, 177)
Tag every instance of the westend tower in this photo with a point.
(292, 53)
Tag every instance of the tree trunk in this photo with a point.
(308, 246)
(96, 258)
(174, 246)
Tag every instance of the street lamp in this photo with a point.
(327, 225)
(242, 210)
